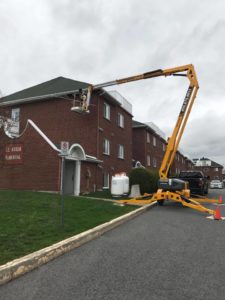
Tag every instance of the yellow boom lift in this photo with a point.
(168, 188)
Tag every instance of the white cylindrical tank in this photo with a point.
(117, 185)
(126, 186)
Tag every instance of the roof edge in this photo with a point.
(42, 97)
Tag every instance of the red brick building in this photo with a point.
(99, 142)
(181, 163)
(149, 149)
(209, 168)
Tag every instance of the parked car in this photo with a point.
(198, 183)
(216, 184)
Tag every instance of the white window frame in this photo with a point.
(15, 114)
(120, 151)
(154, 162)
(120, 120)
(106, 147)
(148, 137)
(148, 160)
(106, 111)
(105, 180)
(163, 147)
(154, 141)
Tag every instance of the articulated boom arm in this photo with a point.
(168, 189)
(187, 71)
(175, 138)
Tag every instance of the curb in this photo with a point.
(20, 266)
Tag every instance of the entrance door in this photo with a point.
(69, 177)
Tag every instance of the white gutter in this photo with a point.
(42, 97)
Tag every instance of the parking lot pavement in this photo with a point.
(169, 252)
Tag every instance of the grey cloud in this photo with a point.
(96, 41)
(205, 137)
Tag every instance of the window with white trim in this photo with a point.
(106, 180)
(121, 151)
(106, 111)
(148, 161)
(163, 147)
(154, 141)
(15, 116)
(106, 147)
(120, 120)
(154, 162)
(148, 137)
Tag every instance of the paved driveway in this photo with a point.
(169, 252)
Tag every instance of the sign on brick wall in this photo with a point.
(64, 148)
(14, 154)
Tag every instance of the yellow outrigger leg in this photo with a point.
(160, 195)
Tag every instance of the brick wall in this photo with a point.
(40, 166)
(212, 172)
(147, 143)
(59, 123)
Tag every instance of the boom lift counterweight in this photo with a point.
(168, 188)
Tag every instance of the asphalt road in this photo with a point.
(169, 252)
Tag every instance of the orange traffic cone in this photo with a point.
(217, 214)
(220, 199)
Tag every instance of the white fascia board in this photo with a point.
(35, 98)
(90, 158)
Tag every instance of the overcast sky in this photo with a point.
(99, 40)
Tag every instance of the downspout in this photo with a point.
(97, 145)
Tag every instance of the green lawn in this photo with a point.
(30, 221)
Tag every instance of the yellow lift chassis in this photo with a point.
(169, 188)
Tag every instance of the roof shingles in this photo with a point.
(59, 85)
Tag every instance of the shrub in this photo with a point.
(147, 179)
